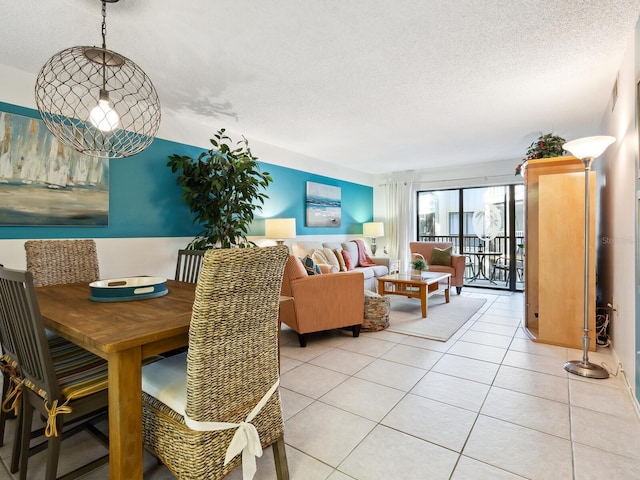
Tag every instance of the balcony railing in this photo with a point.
(487, 273)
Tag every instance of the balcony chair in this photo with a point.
(503, 264)
(188, 265)
(226, 385)
(63, 382)
(321, 302)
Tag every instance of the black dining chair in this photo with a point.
(188, 265)
(60, 380)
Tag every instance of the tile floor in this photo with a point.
(487, 404)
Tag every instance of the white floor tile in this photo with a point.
(607, 432)
(486, 353)
(392, 374)
(326, 433)
(388, 454)
(495, 328)
(601, 398)
(470, 469)
(367, 345)
(520, 450)
(364, 398)
(342, 361)
(436, 422)
(452, 390)
(311, 381)
(527, 346)
(413, 356)
(483, 338)
(533, 383)
(469, 368)
(292, 402)
(536, 363)
(528, 411)
(596, 464)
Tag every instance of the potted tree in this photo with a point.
(223, 187)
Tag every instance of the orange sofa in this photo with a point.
(321, 302)
(457, 261)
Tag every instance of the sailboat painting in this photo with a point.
(45, 183)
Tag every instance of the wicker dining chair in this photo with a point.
(59, 379)
(55, 262)
(188, 265)
(229, 371)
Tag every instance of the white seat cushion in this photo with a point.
(166, 380)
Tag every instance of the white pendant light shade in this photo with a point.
(588, 147)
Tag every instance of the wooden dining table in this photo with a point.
(123, 333)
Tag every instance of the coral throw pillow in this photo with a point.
(347, 260)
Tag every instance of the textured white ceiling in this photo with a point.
(375, 85)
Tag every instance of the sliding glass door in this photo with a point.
(486, 224)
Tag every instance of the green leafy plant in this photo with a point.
(546, 146)
(419, 264)
(223, 187)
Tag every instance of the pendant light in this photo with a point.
(97, 101)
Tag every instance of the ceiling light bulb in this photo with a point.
(102, 116)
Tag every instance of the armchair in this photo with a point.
(321, 302)
(457, 261)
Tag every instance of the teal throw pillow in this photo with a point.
(311, 266)
(441, 256)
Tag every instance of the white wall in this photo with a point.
(616, 250)
(501, 172)
(129, 257)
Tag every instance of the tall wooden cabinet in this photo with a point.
(554, 246)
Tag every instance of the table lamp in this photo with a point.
(587, 149)
(279, 229)
(373, 230)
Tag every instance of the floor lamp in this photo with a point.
(587, 149)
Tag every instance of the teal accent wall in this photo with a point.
(145, 200)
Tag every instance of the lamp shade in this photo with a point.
(588, 147)
(280, 228)
(373, 229)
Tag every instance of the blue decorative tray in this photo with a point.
(127, 289)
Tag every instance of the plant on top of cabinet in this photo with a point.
(223, 187)
(547, 145)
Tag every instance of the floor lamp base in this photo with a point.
(588, 369)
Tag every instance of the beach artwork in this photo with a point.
(45, 183)
(323, 205)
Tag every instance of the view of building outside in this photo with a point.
(476, 221)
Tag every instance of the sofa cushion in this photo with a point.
(340, 258)
(332, 245)
(300, 249)
(441, 256)
(368, 272)
(347, 260)
(379, 270)
(318, 256)
(352, 248)
(310, 266)
(331, 258)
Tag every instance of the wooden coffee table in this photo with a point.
(405, 285)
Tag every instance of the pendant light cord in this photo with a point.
(104, 45)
